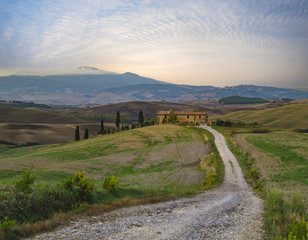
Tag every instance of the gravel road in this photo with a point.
(230, 211)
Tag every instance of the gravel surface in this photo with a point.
(230, 211)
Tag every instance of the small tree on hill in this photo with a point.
(86, 134)
(77, 134)
(141, 118)
(118, 120)
(102, 127)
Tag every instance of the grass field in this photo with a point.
(281, 157)
(145, 157)
(288, 117)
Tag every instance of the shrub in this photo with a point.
(24, 184)
(81, 187)
(209, 181)
(111, 184)
(263, 130)
(297, 230)
(6, 231)
(254, 173)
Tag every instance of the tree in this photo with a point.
(141, 118)
(102, 127)
(172, 117)
(77, 135)
(86, 134)
(118, 120)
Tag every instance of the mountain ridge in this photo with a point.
(81, 89)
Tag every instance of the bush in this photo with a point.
(81, 187)
(209, 181)
(24, 184)
(263, 130)
(254, 173)
(111, 184)
(6, 231)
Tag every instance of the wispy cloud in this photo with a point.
(137, 34)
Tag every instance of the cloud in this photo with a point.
(139, 33)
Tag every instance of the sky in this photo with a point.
(197, 42)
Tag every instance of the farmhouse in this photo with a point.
(181, 117)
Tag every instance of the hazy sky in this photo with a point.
(206, 42)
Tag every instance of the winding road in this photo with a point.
(230, 211)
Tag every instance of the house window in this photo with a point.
(187, 116)
(199, 116)
(165, 116)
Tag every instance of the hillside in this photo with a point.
(289, 117)
(17, 115)
(148, 157)
(132, 108)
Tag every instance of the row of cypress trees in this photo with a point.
(102, 128)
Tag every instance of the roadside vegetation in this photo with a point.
(274, 162)
(138, 166)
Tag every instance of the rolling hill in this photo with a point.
(93, 86)
(288, 117)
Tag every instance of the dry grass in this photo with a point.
(272, 168)
(144, 157)
(289, 117)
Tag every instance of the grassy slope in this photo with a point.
(145, 157)
(290, 116)
(288, 152)
(17, 115)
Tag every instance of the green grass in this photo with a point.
(126, 155)
(292, 155)
(289, 117)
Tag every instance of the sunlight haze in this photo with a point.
(193, 42)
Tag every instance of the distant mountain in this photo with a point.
(252, 91)
(76, 83)
(89, 85)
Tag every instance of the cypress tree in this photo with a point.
(118, 120)
(86, 134)
(77, 135)
(141, 118)
(102, 127)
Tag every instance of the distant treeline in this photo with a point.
(241, 100)
(105, 117)
(230, 123)
(20, 104)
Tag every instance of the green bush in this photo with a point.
(81, 187)
(254, 173)
(209, 181)
(24, 184)
(297, 230)
(6, 231)
(111, 184)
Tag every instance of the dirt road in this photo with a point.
(228, 212)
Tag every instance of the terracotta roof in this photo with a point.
(180, 113)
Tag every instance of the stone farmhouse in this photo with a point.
(181, 117)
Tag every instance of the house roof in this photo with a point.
(180, 113)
